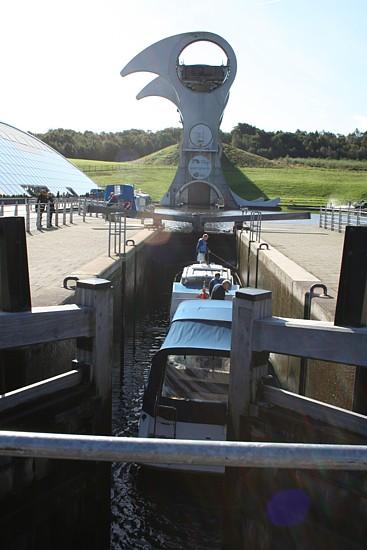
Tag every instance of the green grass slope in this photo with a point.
(250, 176)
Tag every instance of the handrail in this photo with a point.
(346, 216)
(173, 451)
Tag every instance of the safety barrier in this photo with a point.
(42, 215)
(336, 219)
(192, 452)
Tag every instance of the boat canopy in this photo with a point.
(204, 310)
(201, 335)
(201, 324)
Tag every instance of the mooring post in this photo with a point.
(15, 294)
(247, 368)
(249, 305)
(351, 307)
(98, 351)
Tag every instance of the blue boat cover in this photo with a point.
(204, 310)
(203, 335)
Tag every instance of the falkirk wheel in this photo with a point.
(200, 93)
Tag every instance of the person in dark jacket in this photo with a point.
(215, 281)
(50, 209)
(202, 248)
(219, 291)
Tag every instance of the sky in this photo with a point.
(301, 64)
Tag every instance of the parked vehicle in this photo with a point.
(124, 198)
(97, 194)
(187, 392)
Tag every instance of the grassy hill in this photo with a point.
(250, 176)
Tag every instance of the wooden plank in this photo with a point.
(312, 339)
(321, 412)
(46, 324)
(23, 396)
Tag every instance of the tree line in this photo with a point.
(133, 144)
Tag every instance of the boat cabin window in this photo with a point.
(196, 377)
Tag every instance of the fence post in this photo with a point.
(84, 209)
(48, 214)
(71, 211)
(27, 216)
(325, 217)
(64, 213)
(98, 351)
(348, 215)
(2, 208)
(57, 213)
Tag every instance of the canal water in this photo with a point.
(153, 510)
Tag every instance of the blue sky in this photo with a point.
(302, 64)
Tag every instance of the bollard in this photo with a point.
(249, 305)
(64, 213)
(1, 208)
(71, 211)
(15, 294)
(98, 351)
(351, 307)
(84, 209)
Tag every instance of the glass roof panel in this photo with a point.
(27, 161)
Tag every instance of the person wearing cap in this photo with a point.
(219, 291)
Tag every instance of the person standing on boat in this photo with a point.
(215, 281)
(219, 291)
(202, 248)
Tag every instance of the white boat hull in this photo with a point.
(162, 428)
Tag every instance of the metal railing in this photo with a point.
(191, 452)
(38, 216)
(336, 219)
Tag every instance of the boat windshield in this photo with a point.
(196, 377)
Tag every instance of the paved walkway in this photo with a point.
(78, 249)
(317, 250)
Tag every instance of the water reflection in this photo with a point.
(151, 510)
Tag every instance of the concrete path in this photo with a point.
(79, 249)
(317, 250)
